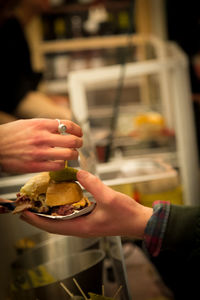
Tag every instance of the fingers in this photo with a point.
(33, 166)
(50, 166)
(72, 140)
(41, 160)
(44, 154)
(94, 185)
(72, 128)
(71, 227)
(44, 166)
(62, 154)
(67, 141)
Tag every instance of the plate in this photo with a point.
(75, 214)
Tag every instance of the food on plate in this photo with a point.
(64, 197)
(42, 194)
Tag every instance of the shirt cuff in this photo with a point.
(156, 226)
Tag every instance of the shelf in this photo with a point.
(74, 8)
(89, 43)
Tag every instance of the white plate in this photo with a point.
(75, 214)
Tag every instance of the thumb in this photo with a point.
(93, 185)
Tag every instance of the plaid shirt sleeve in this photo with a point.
(155, 229)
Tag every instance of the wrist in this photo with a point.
(145, 215)
(140, 218)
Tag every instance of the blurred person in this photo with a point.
(170, 234)
(20, 96)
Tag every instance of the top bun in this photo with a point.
(36, 185)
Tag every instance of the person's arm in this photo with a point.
(177, 255)
(114, 214)
(184, 222)
(35, 145)
(172, 228)
(36, 104)
(167, 227)
(172, 241)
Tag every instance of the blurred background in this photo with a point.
(127, 71)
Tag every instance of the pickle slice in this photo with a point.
(66, 174)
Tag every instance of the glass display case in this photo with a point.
(152, 115)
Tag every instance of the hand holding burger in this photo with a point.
(52, 193)
(114, 214)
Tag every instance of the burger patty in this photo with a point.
(62, 210)
(23, 202)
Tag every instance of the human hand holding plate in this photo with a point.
(114, 214)
(54, 195)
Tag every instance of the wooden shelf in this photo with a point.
(74, 8)
(89, 43)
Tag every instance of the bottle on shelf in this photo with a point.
(60, 27)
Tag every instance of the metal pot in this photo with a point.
(52, 249)
(42, 282)
(35, 240)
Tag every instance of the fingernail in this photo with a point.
(82, 174)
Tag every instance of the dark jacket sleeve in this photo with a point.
(179, 260)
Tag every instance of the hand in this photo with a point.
(35, 145)
(3, 209)
(114, 214)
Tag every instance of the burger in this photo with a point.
(42, 194)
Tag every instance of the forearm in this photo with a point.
(39, 105)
